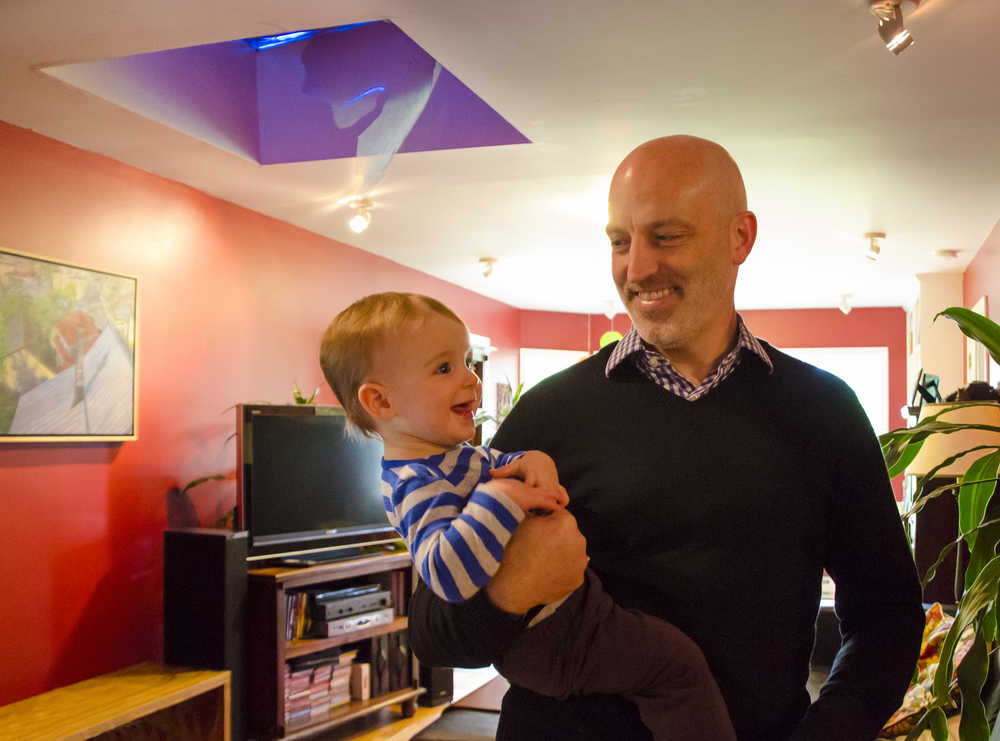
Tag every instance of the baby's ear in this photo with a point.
(374, 398)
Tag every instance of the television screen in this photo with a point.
(305, 485)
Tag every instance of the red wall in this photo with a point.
(555, 330)
(982, 277)
(232, 307)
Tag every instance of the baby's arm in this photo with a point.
(456, 542)
(537, 470)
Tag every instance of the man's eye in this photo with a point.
(667, 237)
(444, 368)
(619, 244)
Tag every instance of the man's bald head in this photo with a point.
(687, 159)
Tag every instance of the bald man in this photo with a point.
(714, 479)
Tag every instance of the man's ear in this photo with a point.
(743, 231)
(374, 399)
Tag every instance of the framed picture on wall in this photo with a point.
(67, 351)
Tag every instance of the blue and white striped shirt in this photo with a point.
(454, 523)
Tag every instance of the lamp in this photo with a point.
(874, 245)
(937, 523)
(937, 448)
(362, 215)
(890, 25)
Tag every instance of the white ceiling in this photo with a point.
(835, 136)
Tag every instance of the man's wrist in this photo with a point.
(504, 600)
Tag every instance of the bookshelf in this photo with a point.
(270, 647)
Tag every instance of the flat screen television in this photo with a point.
(307, 490)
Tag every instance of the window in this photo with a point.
(864, 369)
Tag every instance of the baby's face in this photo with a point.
(433, 392)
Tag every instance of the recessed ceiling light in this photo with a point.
(947, 254)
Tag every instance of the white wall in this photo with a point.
(941, 343)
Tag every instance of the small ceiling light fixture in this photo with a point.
(487, 263)
(890, 25)
(874, 248)
(362, 215)
(946, 254)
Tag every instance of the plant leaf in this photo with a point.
(203, 479)
(939, 724)
(952, 458)
(974, 495)
(922, 499)
(949, 547)
(977, 327)
(899, 456)
(977, 598)
(990, 623)
(932, 569)
(971, 678)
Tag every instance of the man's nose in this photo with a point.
(642, 260)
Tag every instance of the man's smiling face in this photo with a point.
(674, 263)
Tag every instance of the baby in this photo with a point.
(398, 363)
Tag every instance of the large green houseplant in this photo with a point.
(979, 604)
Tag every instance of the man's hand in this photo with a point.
(536, 469)
(543, 562)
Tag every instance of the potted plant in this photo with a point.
(978, 606)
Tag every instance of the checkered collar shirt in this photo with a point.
(658, 369)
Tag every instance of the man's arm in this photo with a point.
(544, 560)
(878, 594)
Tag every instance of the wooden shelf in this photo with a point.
(348, 712)
(304, 646)
(295, 578)
(270, 652)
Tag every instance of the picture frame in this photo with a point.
(68, 351)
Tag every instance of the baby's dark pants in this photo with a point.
(590, 645)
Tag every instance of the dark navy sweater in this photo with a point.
(720, 516)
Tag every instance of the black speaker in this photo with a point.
(204, 607)
(438, 681)
(937, 526)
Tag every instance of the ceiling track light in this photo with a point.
(891, 30)
(874, 245)
(487, 264)
(362, 214)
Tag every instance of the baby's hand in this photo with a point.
(535, 469)
(531, 499)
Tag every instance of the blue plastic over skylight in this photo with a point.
(356, 90)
